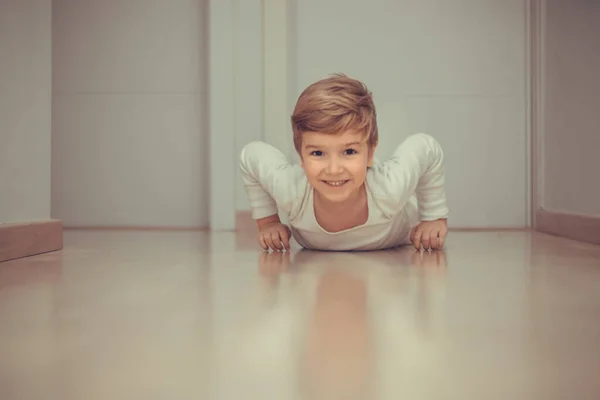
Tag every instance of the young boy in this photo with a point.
(340, 198)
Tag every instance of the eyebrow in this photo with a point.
(312, 146)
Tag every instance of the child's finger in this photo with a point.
(442, 240)
(263, 244)
(434, 240)
(285, 238)
(425, 240)
(276, 241)
(417, 239)
(269, 242)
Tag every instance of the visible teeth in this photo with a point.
(336, 183)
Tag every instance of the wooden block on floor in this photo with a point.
(25, 239)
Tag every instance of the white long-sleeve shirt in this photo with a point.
(401, 192)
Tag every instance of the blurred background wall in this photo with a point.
(151, 101)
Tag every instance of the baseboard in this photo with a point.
(25, 239)
(491, 229)
(572, 226)
(134, 228)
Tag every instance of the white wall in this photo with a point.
(453, 69)
(248, 85)
(130, 138)
(570, 135)
(260, 47)
(25, 92)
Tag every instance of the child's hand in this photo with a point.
(275, 236)
(429, 234)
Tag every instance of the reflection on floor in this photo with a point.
(195, 315)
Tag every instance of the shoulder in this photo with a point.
(419, 144)
(392, 180)
(264, 165)
(261, 150)
(269, 162)
(416, 152)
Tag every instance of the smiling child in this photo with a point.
(340, 198)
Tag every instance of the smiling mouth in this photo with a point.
(337, 183)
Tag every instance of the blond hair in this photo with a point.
(334, 105)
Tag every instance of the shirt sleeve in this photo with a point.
(416, 168)
(270, 181)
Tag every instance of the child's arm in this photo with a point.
(416, 167)
(269, 180)
(272, 219)
(271, 184)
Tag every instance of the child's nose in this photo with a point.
(334, 166)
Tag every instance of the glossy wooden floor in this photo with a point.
(193, 315)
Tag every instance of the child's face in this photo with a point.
(336, 164)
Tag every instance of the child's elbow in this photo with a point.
(433, 145)
(249, 149)
(250, 152)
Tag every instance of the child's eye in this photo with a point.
(316, 153)
(350, 152)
